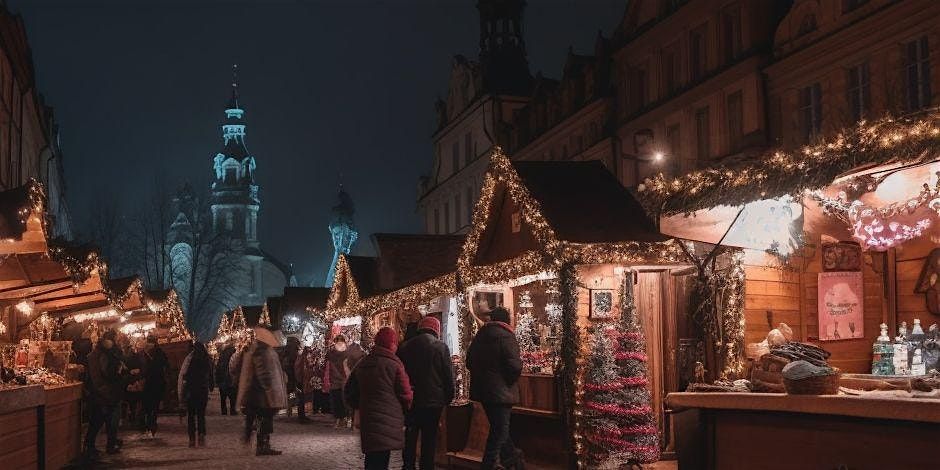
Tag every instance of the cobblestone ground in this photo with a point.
(306, 446)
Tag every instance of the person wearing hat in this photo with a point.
(427, 361)
(337, 371)
(495, 366)
(262, 389)
(380, 390)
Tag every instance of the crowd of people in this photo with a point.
(394, 395)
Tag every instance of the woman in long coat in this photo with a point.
(262, 388)
(379, 388)
(194, 383)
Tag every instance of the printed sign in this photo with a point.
(841, 306)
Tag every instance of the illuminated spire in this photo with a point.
(233, 101)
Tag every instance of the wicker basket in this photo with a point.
(822, 385)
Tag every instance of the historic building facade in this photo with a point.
(481, 98)
(29, 135)
(217, 243)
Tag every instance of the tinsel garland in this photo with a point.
(618, 410)
(624, 355)
(617, 384)
(777, 173)
(570, 352)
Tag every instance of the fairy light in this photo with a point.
(25, 306)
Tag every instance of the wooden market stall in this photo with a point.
(40, 284)
(839, 238)
(566, 249)
(355, 279)
(292, 313)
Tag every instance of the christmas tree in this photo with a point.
(525, 336)
(620, 427)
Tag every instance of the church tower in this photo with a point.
(342, 231)
(502, 46)
(234, 200)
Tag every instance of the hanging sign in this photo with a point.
(841, 306)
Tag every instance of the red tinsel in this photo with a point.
(616, 384)
(623, 444)
(630, 355)
(618, 410)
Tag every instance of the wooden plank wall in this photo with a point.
(910, 305)
(787, 293)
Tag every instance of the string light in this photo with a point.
(778, 173)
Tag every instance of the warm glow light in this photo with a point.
(25, 306)
(658, 156)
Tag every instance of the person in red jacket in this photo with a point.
(380, 390)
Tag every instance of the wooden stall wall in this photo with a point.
(787, 291)
(909, 259)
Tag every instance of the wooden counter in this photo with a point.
(63, 424)
(779, 431)
(20, 418)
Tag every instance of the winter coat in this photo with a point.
(427, 361)
(261, 382)
(155, 370)
(336, 362)
(105, 377)
(291, 357)
(308, 371)
(195, 380)
(494, 364)
(380, 390)
(354, 354)
(235, 367)
(223, 379)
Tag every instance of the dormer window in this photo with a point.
(231, 174)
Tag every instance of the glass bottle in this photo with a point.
(901, 364)
(915, 341)
(882, 362)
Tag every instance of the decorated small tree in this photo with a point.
(619, 425)
(525, 336)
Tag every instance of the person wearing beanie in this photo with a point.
(380, 390)
(262, 388)
(495, 366)
(427, 361)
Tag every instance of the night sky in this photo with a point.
(329, 88)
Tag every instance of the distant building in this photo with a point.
(342, 231)
(233, 207)
(29, 135)
(480, 102)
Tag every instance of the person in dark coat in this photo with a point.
(427, 361)
(195, 383)
(223, 379)
(156, 368)
(104, 385)
(337, 372)
(495, 366)
(133, 393)
(289, 363)
(379, 389)
(307, 371)
(262, 388)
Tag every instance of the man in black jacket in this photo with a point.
(427, 361)
(494, 364)
(105, 384)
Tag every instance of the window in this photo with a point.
(810, 111)
(917, 74)
(229, 221)
(639, 90)
(253, 277)
(735, 111)
(437, 221)
(697, 53)
(447, 217)
(469, 206)
(849, 5)
(231, 174)
(702, 136)
(455, 156)
(467, 149)
(674, 152)
(458, 221)
(807, 25)
(859, 92)
(731, 33)
(671, 69)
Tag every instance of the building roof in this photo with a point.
(363, 271)
(407, 259)
(252, 314)
(297, 299)
(584, 203)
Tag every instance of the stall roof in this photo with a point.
(407, 259)
(296, 300)
(252, 314)
(584, 203)
(363, 271)
(779, 172)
